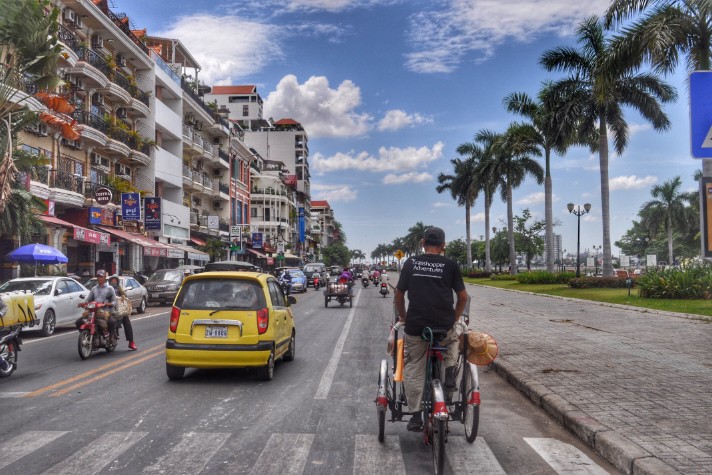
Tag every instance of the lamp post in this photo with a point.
(597, 249)
(578, 211)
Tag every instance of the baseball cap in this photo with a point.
(434, 235)
(101, 273)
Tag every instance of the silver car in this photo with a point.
(137, 293)
(56, 299)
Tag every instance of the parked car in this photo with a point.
(137, 293)
(319, 269)
(56, 299)
(230, 320)
(299, 280)
(163, 286)
(232, 266)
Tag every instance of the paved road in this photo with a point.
(118, 413)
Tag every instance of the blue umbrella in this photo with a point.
(34, 253)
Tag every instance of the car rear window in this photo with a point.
(204, 294)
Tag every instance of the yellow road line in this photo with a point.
(93, 371)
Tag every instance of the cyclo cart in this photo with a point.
(341, 292)
(439, 408)
(18, 314)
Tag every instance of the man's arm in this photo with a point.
(400, 304)
(461, 302)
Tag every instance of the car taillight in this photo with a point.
(262, 320)
(175, 316)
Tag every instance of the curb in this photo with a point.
(625, 455)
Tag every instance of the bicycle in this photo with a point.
(438, 409)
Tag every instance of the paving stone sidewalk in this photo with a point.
(635, 385)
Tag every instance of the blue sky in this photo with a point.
(387, 90)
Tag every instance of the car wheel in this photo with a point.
(266, 373)
(142, 306)
(174, 372)
(48, 323)
(291, 351)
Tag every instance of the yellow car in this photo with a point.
(230, 320)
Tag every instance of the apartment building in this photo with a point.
(322, 224)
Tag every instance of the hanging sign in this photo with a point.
(131, 206)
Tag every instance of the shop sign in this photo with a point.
(103, 195)
(131, 206)
(154, 251)
(176, 253)
(101, 216)
(257, 240)
(152, 213)
(133, 226)
(213, 222)
(89, 235)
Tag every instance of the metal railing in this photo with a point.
(185, 85)
(92, 120)
(223, 188)
(66, 181)
(92, 57)
(224, 156)
(122, 23)
(67, 37)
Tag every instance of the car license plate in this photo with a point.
(155, 296)
(215, 331)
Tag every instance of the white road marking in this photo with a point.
(372, 457)
(97, 454)
(12, 394)
(476, 457)
(191, 454)
(563, 457)
(284, 454)
(328, 377)
(25, 443)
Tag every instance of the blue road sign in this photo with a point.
(701, 114)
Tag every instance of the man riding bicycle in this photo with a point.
(429, 279)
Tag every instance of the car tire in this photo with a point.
(266, 372)
(142, 306)
(49, 322)
(292, 350)
(174, 373)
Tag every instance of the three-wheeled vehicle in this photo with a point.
(339, 291)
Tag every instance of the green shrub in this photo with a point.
(694, 282)
(503, 277)
(544, 277)
(598, 283)
(475, 274)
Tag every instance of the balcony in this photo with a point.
(121, 24)
(224, 158)
(70, 44)
(193, 95)
(224, 189)
(66, 188)
(91, 127)
(92, 66)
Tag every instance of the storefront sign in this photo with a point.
(152, 213)
(213, 222)
(102, 216)
(302, 224)
(131, 206)
(50, 207)
(89, 235)
(257, 240)
(154, 251)
(103, 195)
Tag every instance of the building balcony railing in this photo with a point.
(224, 156)
(185, 85)
(223, 226)
(92, 120)
(163, 66)
(223, 188)
(66, 36)
(90, 188)
(121, 23)
(66, 181)
(207, 182)
(123, 82)
(92, 57)
(137, 93)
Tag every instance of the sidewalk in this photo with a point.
(633, 384)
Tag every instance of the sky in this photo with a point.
(388, 89)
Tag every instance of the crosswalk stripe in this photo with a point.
(26, 443)
(191, 454)
(476, 457)
(372, 457)
(284, 454)
(97, 454)
(563, 457)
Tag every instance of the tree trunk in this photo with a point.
(549, 213)
(605, 205)
(510, 231)
(488, 255)
(668, 224)
(468, 237)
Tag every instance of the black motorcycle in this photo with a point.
(364, 282)
(10, 342)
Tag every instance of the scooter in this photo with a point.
(316, 283)
(364, 282)
(384, 289)
(93, 334)
(9, 346)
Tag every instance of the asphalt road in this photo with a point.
(118, 413)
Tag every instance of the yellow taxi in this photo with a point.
(230, 320)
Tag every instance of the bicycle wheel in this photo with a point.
(381, 423)
(438, 444)
(471, 412)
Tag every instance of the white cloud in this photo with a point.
(441, 204)
(226, 47)
(637, 128)
(532, 199)
(398, 119)
(409, 177)
(323, 111)
(631, 182)
(388, 159)
(443, 38)
(333, 193)
(333, 6)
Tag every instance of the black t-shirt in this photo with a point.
(430, 280)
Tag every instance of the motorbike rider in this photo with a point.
(115, 282)
(286, 280)
(102, 293)
(429, 279)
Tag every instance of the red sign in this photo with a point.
(89, 235)
(155, 251)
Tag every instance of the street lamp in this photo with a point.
(576, 210)
(597, 248)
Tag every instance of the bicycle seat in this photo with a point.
(437, 334)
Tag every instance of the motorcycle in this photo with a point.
(316, 283)
(9, 346)
(364, 282)
(93, 333)
(286, 286)
(384, 289)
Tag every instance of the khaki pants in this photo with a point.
(414, 368)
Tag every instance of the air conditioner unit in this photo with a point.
(120, 60)
(190, 119)
(97, 42)
(75, 144)
(121, 113)
(69, 15)
(97, 99)
(219, 173)
(217, 205)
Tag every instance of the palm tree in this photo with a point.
(598, 87)
(414, 236)
(489, 183)
(513, 161)
(554, 131)
(667, 210)
(464, 185)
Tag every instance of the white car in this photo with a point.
(56, 299)
(137, 293)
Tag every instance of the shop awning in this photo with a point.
(198, 241)
(56, 221)
(193, 253)
(150, 246)
(80, 233)
(289, 255)
(257, 253)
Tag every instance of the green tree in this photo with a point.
(336, 255)
(457, 251)
(215, 249)
(414, 237)
(554, 131)
(528, 237)
(513, 161)
(668, 210)
(600, 84)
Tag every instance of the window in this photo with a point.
(73, 286)
(245, 111)
(253, 213)
(267, 210)
(275, 293)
